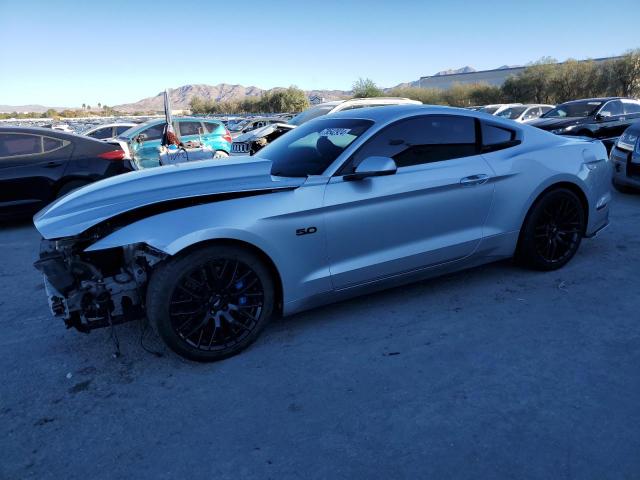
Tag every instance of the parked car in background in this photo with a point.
(142, 142)
(601, 118)
(38, 165)
(250, 124)
(496, 108)
(625, 157)
(524, 113)
(109, 130)
(252, 142)
(343, 205)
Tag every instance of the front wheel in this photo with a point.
(211, 303)
(552, 231)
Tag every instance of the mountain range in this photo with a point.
(181, 96)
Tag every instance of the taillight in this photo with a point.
(227, 135)
(112, 155)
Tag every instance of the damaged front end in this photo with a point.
(252, 142)
(90, 290)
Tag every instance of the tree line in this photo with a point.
(290, 99)
(546, 81)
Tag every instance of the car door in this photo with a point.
(146, 152)
(431, 211)
(612, 120)
(30, 165)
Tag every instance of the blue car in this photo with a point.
(144, 140)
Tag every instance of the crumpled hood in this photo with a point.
(254, 135)
(554, 123)
(83, 208)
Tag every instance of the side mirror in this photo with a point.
(373, 167)
(141, 137)
(603, 116)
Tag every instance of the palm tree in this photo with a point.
(99, 105)
(84, 106)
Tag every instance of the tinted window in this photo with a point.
(612, 108)
(425, 139)
(311, 113)
(13, 144)
(312, 147)
(102, 133)
(211, 126)
(631, 107)
(189, 128)
(122, 129)
(496, 138)
(50, 144)
(580, 109)
(154, 132)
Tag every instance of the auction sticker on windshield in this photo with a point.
(334, 132)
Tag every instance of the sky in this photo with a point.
(65, 53)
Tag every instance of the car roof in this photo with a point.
(598, 99)
(155, 121)
(394, 112)
(49, 132)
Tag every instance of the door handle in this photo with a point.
(471, 180)
(52, 164)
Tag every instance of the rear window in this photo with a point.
(190, 128)
(211, 126)
(154, 132)
(15, 144)
(121, 129)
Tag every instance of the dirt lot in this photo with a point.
(496, 372)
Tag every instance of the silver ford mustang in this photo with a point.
(353, 202)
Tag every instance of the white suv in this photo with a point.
(249, 143)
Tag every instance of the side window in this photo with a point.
(532, 113)
(154, 132)
(631, 107)
(189, 128)
(546, 109)
(102, 133)
(612, 109)
(17, 144)
(425, 139)
(211, 126)
(121, 129)
(496, 138)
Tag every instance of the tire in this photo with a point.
(220, 154)
(218, 295)
(552, 231)
(70, 186)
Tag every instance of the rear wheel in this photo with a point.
(552, 231)
(211, 303)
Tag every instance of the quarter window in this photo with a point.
(425, 139)
(496, 138)
(189, 128)
(49, 144)
(211, 127)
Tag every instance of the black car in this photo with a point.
(601, 118)
(38, 165)
(625, 157)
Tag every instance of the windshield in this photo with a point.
(311, 148)
(311, 113)
(489, 110)
(236, 127)
(573, 109)
(512, 113)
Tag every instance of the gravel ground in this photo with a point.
(496, 372)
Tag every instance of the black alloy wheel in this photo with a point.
(211, 303)
(553, 230)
